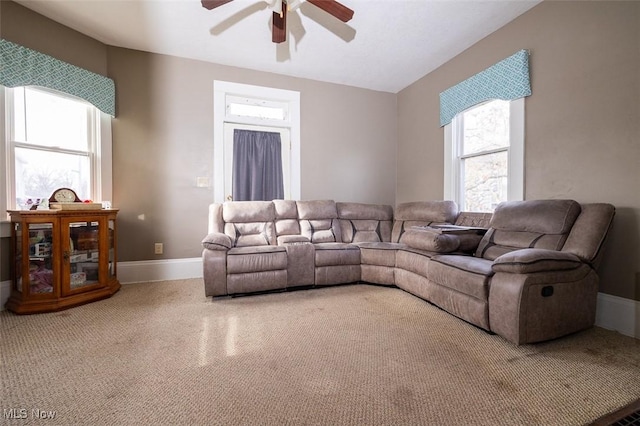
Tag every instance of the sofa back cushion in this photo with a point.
(422, 213)
(516, 225)
(249, 223)
(360, 223)
(319, 221)
(589, 232)
(286, 217)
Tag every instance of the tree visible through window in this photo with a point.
(484, 146)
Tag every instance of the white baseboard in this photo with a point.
(159, 270)
(619, 314)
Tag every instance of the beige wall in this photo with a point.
(163, 140)
(582, 120)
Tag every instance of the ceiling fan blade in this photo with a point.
(212, 4)
(334, 8)
(279, 25)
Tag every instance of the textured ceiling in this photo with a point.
(387, 45)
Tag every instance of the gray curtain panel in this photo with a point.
(257, 166)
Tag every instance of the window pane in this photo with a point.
(256, 111)
(486, 127)
(39, 173)
(485, 181)
(55, 121)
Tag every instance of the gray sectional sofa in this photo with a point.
(526, 272)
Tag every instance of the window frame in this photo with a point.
(99, 144)
(223, 90)
(453, 182)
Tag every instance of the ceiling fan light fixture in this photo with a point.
(294, 4)
(281, 7)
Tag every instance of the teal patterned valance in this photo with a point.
(21, 66)
(506, 80)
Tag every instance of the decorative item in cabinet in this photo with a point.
(62, 258)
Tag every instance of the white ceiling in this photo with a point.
(388, 44)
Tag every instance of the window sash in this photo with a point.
(267, 107)
(98, 186)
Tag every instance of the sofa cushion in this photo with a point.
(242, 260)
(433, 211)
(364, 211)
(516, 225)
(430, 240)
(465, 274)
(287, 227)
(317, 209)
(248, 211)
(422, 213)
(331, 254)
(285, 209)
(527, 261)
(286, 220)
(365, 230)
(361, 222)
(321, 230)
(251, 233)
(589, 232)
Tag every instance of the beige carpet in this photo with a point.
(161, 353)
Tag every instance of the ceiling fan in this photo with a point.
(281, 7)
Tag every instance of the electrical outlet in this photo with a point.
(158, 248)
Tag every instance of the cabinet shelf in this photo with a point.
(62, 259)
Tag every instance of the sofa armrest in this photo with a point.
(531, 260)
(217, 241)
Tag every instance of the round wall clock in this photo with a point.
(64, 195)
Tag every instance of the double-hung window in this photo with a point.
(53, 141)
(484, 148)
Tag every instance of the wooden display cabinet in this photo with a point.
(61, 259)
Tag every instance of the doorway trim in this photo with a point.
(222, 89)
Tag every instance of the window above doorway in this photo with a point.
(259, 109)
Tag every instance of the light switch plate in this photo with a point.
(202, 182)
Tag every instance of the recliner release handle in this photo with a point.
(547, 291)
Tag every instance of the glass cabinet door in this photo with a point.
(17, 257)
(39, 249)
(112, 248)
(81, 255)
